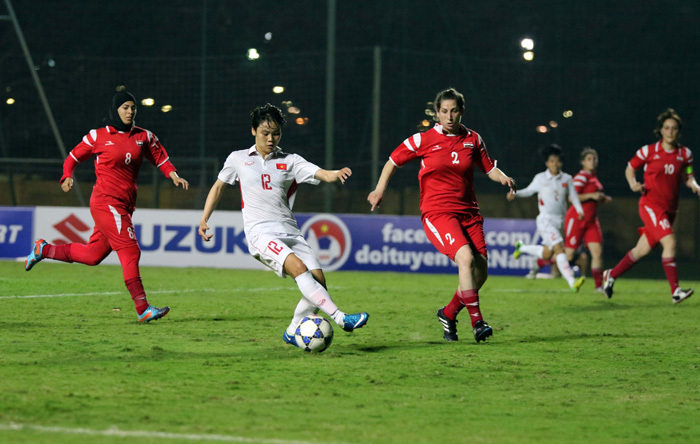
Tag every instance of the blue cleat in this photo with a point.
(482, 331)
(517, 252)
(353, 321)
(153, 313)
(289, 339)
(36, 255)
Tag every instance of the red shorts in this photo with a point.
(449, 232)
(658, 223)
(113, 225)
(578, 231)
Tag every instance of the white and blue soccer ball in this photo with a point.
(314, 334)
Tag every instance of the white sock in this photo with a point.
(304, 308)
(565, 269)
(317, 295)
(533, 250)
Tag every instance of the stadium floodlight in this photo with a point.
(528, 44)
(302, 120)
(10, 101)
(553, 123)
(253, 54)
(148, 101)
(268, 36)
(542, 129)
(166, 108)
(293, 110)
(278, 89)
(528, 55)
(568, 113)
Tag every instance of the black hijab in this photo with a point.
(113, 118)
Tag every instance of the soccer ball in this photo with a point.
(314, 334)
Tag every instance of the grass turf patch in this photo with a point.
(561, 367)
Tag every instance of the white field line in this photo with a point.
(148, 434)
(109, 293)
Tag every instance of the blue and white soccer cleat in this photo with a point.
(517, 253)
(482, 330)
(353, 321)
(36, 255)
(153, 313)
(289, 339)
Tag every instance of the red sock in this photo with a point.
(470, 298)
(454, 307)
(625, 264)
(669, 264)
(138, 294)
(59, 252)
(543, 262)
(597, 276)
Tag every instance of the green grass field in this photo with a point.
(76, 366)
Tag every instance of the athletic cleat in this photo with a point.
(576, 270)
(681, 295)
(289, 339)
(153, 313)
(449, 325)
(482, 331)
(578, 283)
(608, 282)
(517, 253)
(353, 321)
(532, 274)
(36, 255)
(600, 289)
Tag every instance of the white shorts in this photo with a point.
(273, 249)
(549, 229)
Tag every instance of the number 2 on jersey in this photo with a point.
(266, 182)
(455, 158)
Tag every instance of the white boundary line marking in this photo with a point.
(109, 293)
(113, 431)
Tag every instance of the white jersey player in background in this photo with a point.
(268, 178)
(554, 189)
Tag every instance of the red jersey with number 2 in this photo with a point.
(663, 173)
(446, 175)
(118, 158)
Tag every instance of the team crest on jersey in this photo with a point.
(282, 166)
(330, 238)
(249, 163)
(468, 145)
(139, 142)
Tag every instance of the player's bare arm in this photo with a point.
(376, 196)
(209, 206)
(499, 176)
(67, 184)
(177, 180)
(631, 176)
(332, 176)
(693, 185)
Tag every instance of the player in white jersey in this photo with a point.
(268, 178)
(554, 188)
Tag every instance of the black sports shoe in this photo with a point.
(482, 331)
(448, 325)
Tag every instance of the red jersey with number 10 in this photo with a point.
(446, 176)
(663, 172)
(118, 158)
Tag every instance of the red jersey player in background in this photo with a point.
(450, 212)
(119, 149)
(666, 163)
(587, 231)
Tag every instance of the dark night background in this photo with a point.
(616, 65)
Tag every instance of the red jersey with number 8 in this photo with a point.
(663, 173)
(118, 158)
(446, 175)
